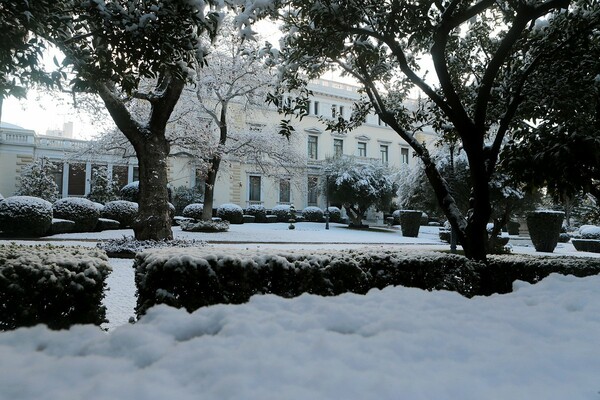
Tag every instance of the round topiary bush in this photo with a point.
(25, 216)
(231, 212)
(335, 214)
(396, 215)
(131, 192)
(282, 211)
(82, 211)
(312, 214)
(193, 211)
(258, 212)
(121, 210)
(410, 222)
(544, 229)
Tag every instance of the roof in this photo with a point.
(7, 125)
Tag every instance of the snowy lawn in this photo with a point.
(539, 342)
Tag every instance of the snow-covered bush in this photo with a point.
(121, 210)
(231, 212)
(103, 188)
(128, 246)
(589, 232)
(57, 286)
(193, 211)
(183, 196)
(131, 192)
(312, 214)
(544, 228)
(282, 211)
(106, 224)
(36, 180)
(335, 214)
(396, 216)
(204, 226)
(61, 226)
(259, 212)
(25, 216)
(82, 211)
(199, 277)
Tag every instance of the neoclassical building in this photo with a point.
(240, 182)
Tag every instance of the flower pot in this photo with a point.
(544, 229)
(410, 221)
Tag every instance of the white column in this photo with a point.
(65, 181)
(88, 177)
(130, 173)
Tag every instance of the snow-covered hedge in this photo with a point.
(204, 226)
(25, 216)
(312, 214)
(83, 212)
(199, 277)
(544, 228)
(589, 232)
(259, 212)
(128, 246)
(193, 210)
(121, 210)
(131, 192)
(57, 286)
(335, 214)
(282, 211)
(61, 226)
(231, 212)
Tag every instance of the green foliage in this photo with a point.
(56, 286)
(193, 210)
(231, 212)
(25, 216)
(103, 187)
(258, 212)
(82, 211)
(358, 186)
(312, 214)
(36, 180)
(183, 196)
(121, 210)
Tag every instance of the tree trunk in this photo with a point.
(209, 190)
(153, 221)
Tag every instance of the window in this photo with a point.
(316, 108)
(313, 190)
(383, 150)
(312, 147)
(119, 174)
(362, 149)
(308, 103)
(342, 111)
(136, 174)
(338, 147)
(333, 110)
(57, 175)
(284, 191)
(254, 188)
(378, 120)
(76, 180)
(404, 155)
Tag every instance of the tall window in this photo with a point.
(312, 147)
(338, 147)
(308, 109)
(120, 174)
(313, 190)
(57, 175)
(284, 191)
(254, 188)
(333, 110)
(136, 174)
(341, 111)
(76, 180)
(404, 155)
(383, 150)
(316, 108)
(362, 149)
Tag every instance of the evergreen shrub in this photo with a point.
(61, 226)
(204, 226)
(56, 286)
(335, 214)
(183, 196)
(282, 211)
(105, 224)
(231, 212)
(312, 214)
(25, 216)
(82, 211)
(193, 211)
(258, 211)
(544, 229)
(131, 192)
(121, 210)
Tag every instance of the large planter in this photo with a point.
(410, 221)
(590, 245)
(544, 229)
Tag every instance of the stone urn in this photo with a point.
(544, 229)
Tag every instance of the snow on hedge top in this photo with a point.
(546, 211)
(21, 205)
(230, 207)
(76, 204)
(540, 342)
(590, 232)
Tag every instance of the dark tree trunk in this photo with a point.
(215, 163)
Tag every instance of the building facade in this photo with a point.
(239, 181)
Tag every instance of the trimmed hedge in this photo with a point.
(193, 211)
(25, 216)
(83, 212)
(259, 212)
(282, 211)
(56, 286)
(196, 278)
(131, 192)
(312, 214)
(231, 212)
(61, 226)
(121, 210)
(204, 226)
(335, 214)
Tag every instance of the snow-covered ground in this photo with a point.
(539, 342)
